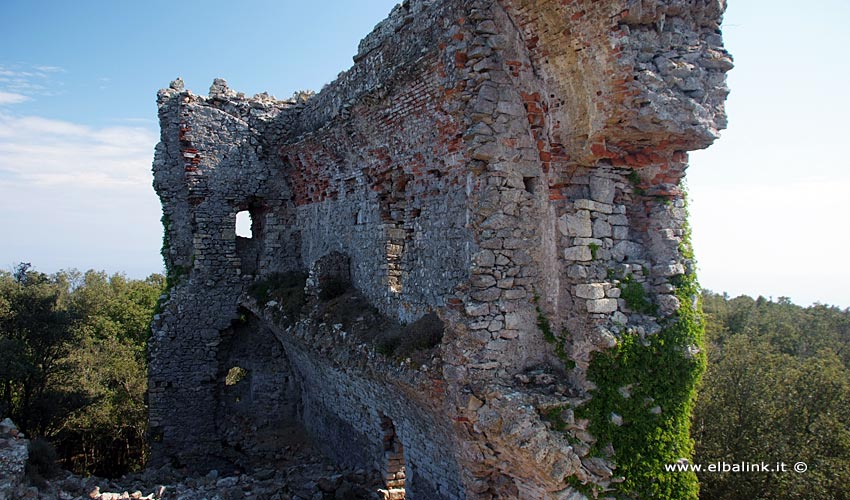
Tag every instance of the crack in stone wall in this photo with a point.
(493, 161)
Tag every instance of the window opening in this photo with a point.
(235, 375)
(244, 224)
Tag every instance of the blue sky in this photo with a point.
(78, 82)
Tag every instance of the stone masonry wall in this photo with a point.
(513, 166)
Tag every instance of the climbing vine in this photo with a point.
(644, 395)
(560, 342)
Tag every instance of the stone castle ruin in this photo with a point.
(458, 247)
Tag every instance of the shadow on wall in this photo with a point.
(259, 396)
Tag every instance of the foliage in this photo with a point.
(594, 250)
(424, 333)
(543, 322)
(635, 296)
(663, 371)
(777, 389)
(73, 363)
(35, 338)
(549, 336)
(333, 287)
(41, 462)
(285, 288)
(635, 180)
(235, 375)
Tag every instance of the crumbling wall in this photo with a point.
(259, 399)
(514, 167)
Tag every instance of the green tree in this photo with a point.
(776, 390)
(35, 339)
(73, 364)
(110, 368)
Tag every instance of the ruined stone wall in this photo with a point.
(514, 166)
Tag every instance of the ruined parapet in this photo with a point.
(514, 167)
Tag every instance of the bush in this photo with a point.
(333, 287)
(286, 288)
(388, 341)
(424, 333)
(41, 463)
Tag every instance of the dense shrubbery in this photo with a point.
(777, 389)
(73, 366)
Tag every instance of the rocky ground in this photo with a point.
(306, 476)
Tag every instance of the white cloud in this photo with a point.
(28, 81)
(50, 69)
(12, 98)
(78, 196)
(37, 151)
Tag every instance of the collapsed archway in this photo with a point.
(258, 400)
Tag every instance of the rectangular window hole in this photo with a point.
(244, 224)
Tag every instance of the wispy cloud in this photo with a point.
(36, 151)
(77, 196)
(28, 81)
(12, 98)
(50, 69)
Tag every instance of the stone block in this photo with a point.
(668, 270)
(620, 233)
(484, 258)
(601, 229)
(593, 206)
(602, 189)
(590, 291)
(626, 250)
(602, 306)
(513, 320)
(579, 253)
(488, 295)
(477, 309)
(576, 225)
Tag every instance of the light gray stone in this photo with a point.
(602, 189)
(579, 253)
(626, 250)
(602, 305)
(577, 224)
(590, 291)
(594, 206)
(601, 229)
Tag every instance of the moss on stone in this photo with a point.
(543, 322)
(560, 342)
